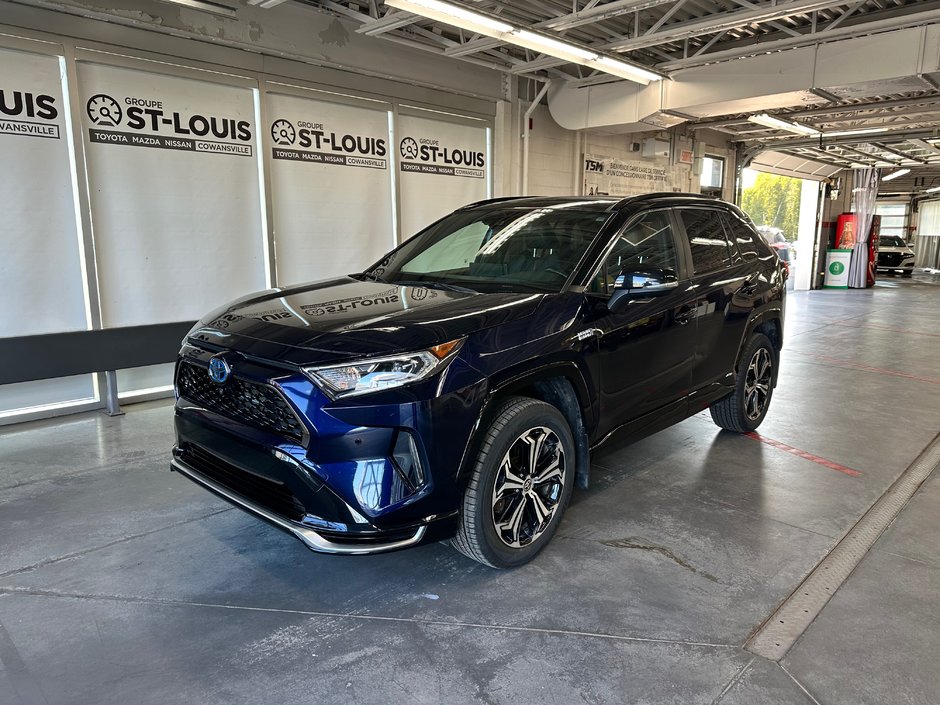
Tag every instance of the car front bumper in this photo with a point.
(345, 484)
(313, 539)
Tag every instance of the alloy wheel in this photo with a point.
(757, 383)
(528, 487)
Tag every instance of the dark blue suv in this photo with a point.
(456, 389)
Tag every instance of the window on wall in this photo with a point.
(893, 219)
(712, 178)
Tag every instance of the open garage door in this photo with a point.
(788, 165)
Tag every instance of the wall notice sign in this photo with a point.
(606, 176)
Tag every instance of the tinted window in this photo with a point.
(648, 242)
(707, 238)
(487, 249)
(741, 235)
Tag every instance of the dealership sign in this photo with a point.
(428, 155)
(28, 114)
(317, 143)
(151, 122)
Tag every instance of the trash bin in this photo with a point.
(837, 269)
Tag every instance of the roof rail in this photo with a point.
(491, 200)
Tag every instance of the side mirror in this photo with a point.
(642, 282)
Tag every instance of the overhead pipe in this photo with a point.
(525, 135)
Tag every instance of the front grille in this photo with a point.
(257, 405)
(270, 494)
(889, 259)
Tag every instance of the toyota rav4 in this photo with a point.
(455, 389)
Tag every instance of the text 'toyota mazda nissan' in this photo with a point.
(455, 389)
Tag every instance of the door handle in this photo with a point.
(684, 315)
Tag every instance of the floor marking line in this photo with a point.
(777, 635)
(363, 617)
(779, 445)
(846, 364)
(735, 679)
(799, 685)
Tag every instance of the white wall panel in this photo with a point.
(331, 186)
(40, 266)
(175, 193)
(40, 258)
(443, 166)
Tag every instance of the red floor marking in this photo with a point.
(849, 365)
(879, 326)
(803, 454)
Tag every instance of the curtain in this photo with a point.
(865, 192)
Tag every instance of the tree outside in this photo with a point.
(773, 201)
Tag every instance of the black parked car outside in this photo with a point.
(456, 389)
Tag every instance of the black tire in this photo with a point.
(517, 420)
(738, 411)
(907, 273)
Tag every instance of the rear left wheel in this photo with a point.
(521, 484)
(744, 409)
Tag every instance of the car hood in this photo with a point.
(893, 249)
(346, 318)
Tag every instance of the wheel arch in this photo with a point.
(770, 323)
(562, 385)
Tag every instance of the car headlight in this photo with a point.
(380, 373)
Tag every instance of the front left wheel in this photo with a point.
(521, 484)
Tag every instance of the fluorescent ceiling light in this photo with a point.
(491, 27)
(896, 174)
(933, 190)
(206, 5)
(850, 133)
(778, 124)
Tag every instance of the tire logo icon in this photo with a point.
(409, 148)
(282, 132)
(104, 110)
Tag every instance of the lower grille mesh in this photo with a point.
(252, 404)
(270, 494)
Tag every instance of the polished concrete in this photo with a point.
(121, 582)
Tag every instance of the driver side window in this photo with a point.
(648, 242)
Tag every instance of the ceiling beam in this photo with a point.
(706, 25)
(886, 148)
(864, 26)
(574, 19)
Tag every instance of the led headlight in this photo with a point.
(382, 372)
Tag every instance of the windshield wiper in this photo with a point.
(369, 277)
(435, 285)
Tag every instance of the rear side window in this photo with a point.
(742, 236)
(707, 238)
(648, 242)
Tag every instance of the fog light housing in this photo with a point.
(407, 460)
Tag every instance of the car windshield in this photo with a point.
(522, 249)
(890, 241)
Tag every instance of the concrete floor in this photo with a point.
(121, 582)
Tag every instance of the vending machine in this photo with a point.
(847, 234)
